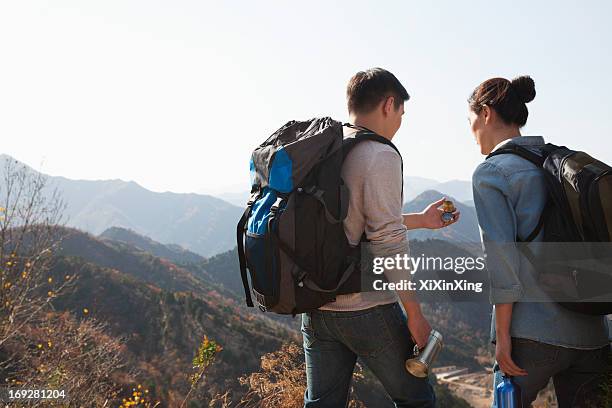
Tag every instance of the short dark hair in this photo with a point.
(366, 89)
(507, 98)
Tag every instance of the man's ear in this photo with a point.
(388, 105)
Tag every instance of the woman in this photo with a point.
(534, 341)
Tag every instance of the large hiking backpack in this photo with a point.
(291, 236)
(577, 218)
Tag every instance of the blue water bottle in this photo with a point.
(508, 394)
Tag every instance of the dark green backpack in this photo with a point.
(577, 218)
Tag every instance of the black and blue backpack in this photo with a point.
(291, 236)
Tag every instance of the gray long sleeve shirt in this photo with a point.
(372, 172)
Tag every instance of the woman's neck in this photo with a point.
(505, 133)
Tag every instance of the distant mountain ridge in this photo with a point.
(203, 225)
(413, 186)
(172, 252)
(200, 223)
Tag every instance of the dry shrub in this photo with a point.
(280, 383)
(40, 348)
(59, 352)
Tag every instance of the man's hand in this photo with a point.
(419, 329)
(432, 216)
(503, 350)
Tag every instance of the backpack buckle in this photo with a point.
(261, 300)
(253, 197)
(310, 189)
(276, 204)
(300, 278)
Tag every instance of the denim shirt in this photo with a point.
(509, 196)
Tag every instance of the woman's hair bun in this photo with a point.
(524, 88)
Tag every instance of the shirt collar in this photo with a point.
(521, 141)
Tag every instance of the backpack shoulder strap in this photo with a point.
(536, 157)
(367, 134)
(240, 231)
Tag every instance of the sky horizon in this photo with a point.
(222, 193)
(175, 96)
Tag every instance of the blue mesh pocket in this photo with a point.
(262, 250)
(261, 269)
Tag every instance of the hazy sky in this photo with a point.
(175, 94)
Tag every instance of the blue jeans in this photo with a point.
(379, 336)
(578, 375)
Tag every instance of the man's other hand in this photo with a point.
(419, 329)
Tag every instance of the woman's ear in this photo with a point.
(487, 114)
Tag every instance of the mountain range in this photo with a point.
(161, 269)
(201, 223)
(463, 319)
(162, 310)
(413, 186)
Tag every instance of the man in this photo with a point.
(371, 325)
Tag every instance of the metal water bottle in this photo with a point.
(508, 394)
(421, 363)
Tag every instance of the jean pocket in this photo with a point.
(526, 352)
(308, 332)
(399, 316)
(367, 334)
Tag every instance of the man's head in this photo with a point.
(375, 100)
